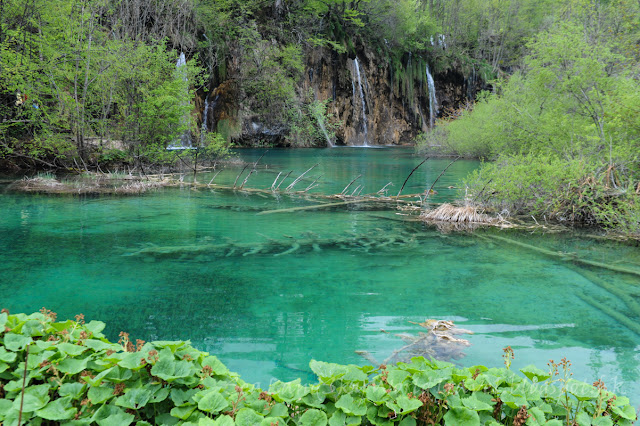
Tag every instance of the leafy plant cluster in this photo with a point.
(69, 373)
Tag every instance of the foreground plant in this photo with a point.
(69, 373)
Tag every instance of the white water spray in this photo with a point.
(356, 66)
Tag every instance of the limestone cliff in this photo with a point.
(370, 101)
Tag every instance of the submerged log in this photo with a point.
(616, 315)
(566, 256)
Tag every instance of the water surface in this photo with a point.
(152, 266)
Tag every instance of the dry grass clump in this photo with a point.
(450, 213)
(98, 184)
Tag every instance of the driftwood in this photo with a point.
(290, 187)
(350, 183)
(438, 178)
(566, 256)
(449, 213)
(439, 342)
(414, 169)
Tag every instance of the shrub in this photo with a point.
(68, 372)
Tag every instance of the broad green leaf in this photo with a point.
(582, 391)
(71, 350)
(183, 412)
(118, 374)
(460, 416)
(604, 421)
(272, 421)
(354, 374)
(160, 395)
(407, 421)
(473, 403)
(513, 401)
(99, 394)
(97, 380)
(172, 345)
(313, 417)
(328, 372)
(537, 416)
(7, 356)
(532, 372)
(169, 370)
(181, 397)
(315, 399)
(35, 397)
(352, 406)
(3, 320)
(74, 389)
(406, 405)
(396, 377)
(220, 421)
(134, 399)
(132, 361)
(59, 409)
(376, 394)
(626, 411)
(219, 369)
(428, 379)
(16, 342)
(583, 419)
(99, 345)
(95, 327)
(5, 406)
(288, 392)
(72, 365)
(281, 410)
(212, 402)
(247, 417)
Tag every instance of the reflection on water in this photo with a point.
(162, 266)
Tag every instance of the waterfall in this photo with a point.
(433, 101)
(324, 131)
(203, 132)
(184, 141)
(356, 67)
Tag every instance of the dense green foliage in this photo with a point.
(571, 114)
(69, 373)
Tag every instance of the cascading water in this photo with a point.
(184, 141)
(205, 115)
(356, 67)
(433, 101)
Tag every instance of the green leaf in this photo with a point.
(183, 412)
(169, 370)
(583, 419)
(221, 421)
(212, 402)
(327, 372)
(352, 406)
(7, 356)
(134, 399)
(74, 390)
(604, 421)
(181, 397)
(58, 409)
(248, 417)
(219, 369)
(396, 377)
(3, 320)
(35, 397)
(407, 405)
(513, 401)
(95, 327)
(71, 350)
(288, 392)
(582, 391)
(532, 372)
(97, 380)
(98, 395)
(460, 416)
(99, 345)
(132, 361)
(16, 342)
(428, 379)
(313, 417)
(408, 421)
(626, 411)
(118, 374)
(72, 365)
(116, 418)
(376, 394)
(537, 416)
(474, 404)
(5, 406)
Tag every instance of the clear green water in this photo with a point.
(266, 316)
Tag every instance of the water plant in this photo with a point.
(67, 372)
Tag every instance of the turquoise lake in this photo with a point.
(151, 265)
